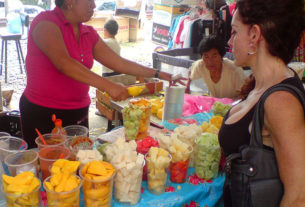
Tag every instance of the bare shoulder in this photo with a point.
(283, 105)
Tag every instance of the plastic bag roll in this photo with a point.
(173, 102)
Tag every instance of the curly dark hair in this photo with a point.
(212, 42)
(59, 3)
(282, 23)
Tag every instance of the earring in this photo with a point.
(70, 6)
(255, 49)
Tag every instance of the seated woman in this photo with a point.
(221, 76)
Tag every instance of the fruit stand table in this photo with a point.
(202, 192)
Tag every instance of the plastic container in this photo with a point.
(48, 155)
(178, 168)
(10, 145)
(128, 191)
(22, 162)
(136, 119)
(61, 199)
(207, 160)
(24, 200)
(173, 102)
(58, 129)
(52, 140)
(156, 177)
(97, 192)
(76, 131)
(4, 134)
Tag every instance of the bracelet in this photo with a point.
(157, 74)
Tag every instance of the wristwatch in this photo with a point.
(157, 74)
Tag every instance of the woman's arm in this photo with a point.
(103, 54)
(284, 119)
(47, 36)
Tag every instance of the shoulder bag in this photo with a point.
(252, 174)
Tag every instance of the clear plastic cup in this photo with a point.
(22, 162)
(136, 119)
(4, 134)
(178, 168)
(10, 145)
(127, 186)
(23, 200)
(97, 192)
(57, 199)
(76, 131)
(156, 176)
(52, 140)
(48, 155)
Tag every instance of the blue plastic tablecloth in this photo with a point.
(205, 194)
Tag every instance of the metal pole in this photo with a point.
(6, 7)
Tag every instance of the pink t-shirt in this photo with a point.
(48, 87)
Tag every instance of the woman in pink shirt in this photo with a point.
(61, 50)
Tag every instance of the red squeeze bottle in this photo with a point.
(58, 126)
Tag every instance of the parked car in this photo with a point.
(32, 10)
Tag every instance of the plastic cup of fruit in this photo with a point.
(136, 124)
(204, 168)
(52, 140)
(10, 145)
(178, 168)
(68, 198)
(23, 200)
(22, 161)
(48, 155)
(156, 177)
(132, 196)
(97, 192)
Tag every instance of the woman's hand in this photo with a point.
(118, 92)
(173, 80)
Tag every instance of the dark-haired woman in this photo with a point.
(265, 34)
(61, 50)
(222, 78)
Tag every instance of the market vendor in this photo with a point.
(60, 54)
(221, 76)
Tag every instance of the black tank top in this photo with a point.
(233, 136)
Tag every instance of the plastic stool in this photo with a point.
(5, 38)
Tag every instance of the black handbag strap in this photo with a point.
(258, 118)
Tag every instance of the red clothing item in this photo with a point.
(232, 8)
(48, 87)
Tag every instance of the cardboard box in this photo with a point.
(160, 33)
(109, 113)
(178, 2)
(164, 14)
(136, 31)
(123, 33)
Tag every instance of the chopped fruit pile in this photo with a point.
(62, 185)
(136, 119)
(129, 165)
(62, 165)
(158, 161)
(98, 184)
(22, 190)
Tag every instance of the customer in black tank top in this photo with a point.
(265, 34)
